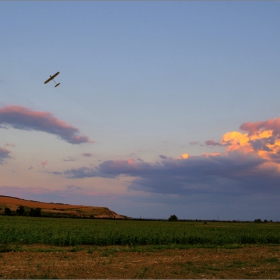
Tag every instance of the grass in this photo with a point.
(44, 276)
(141, 273)
(5, 248)
(237, 264)
(271, 260)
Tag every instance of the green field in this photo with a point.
(73, 232)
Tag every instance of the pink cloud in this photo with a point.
(87, 154)
(69, 159)
(255, 127)
(20, 117)
(195, 143)
(262, 138)
(4, 153)
(9, 145)
(212, 143)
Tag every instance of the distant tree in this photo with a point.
(38, 212)
(257, 221)
(31, 212)
(7, 211)
(20, 210)
(173, 218)
(35, 212)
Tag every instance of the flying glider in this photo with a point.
(52, 78)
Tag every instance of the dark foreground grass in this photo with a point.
(74, 232)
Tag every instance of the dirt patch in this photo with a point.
(116, 262)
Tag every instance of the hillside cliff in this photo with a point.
(58, 209)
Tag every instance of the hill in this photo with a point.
(58, 209)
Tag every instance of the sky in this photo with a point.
(164, 107)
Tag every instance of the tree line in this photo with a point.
(33, 212)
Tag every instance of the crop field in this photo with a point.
(67, 248)
(74, 232)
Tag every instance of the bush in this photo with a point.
(20, 210)
(173, 218)
(7, 211)
(35, 212)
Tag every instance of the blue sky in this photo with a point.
(143, 83)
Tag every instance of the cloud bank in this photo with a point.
(250, 164)
(20, 117)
